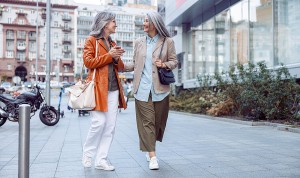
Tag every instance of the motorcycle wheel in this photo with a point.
(2, 121)
(49, 116)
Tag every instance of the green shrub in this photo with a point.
(261, 93)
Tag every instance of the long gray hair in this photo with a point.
(158, 22)
(100, 20)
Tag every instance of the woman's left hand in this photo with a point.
(160, 64)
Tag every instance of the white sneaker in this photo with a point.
(86, 161)
(153, 164)
(147, 157)
(104, 165)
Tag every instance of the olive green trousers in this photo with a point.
(151, 119)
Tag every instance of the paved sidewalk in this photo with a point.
(192, 147)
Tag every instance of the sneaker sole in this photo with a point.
(100, 168)
(154, 168)
(87, 166)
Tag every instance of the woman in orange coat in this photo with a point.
(108, 90)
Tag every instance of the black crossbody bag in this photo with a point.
(166, 77)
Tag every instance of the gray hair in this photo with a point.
(100, 20)
(156, 19)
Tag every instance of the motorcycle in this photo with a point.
(9, 107)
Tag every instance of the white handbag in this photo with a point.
(82, 95)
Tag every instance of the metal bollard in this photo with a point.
(24, 136)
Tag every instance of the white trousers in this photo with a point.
(102, 130)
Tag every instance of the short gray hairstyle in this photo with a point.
(155, 18)
(100, 20)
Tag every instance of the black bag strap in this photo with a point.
(162, 46)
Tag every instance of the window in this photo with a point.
(9, 44)
(260, 41)
(66, 25)
(32, 68)
(239, 33)
(32, 55)
(21, 22)
(32, 35)
(208, 47)
(286, 32)
(66, 47)
(55, 35)
(55, 45)
(66, 68)
(9, 54)
(9, 20)
(21, 34)
(66, 36)
(9, 67)
(32, 46)
(55, 24)
(222, 41)
(9, 34)
(21, 56)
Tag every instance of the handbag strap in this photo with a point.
(96, 55)
(162, 46)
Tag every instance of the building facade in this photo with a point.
(18, 34)
(130, 27)
(213, 35)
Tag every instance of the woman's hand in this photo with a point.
(160, 64)
(116, 52)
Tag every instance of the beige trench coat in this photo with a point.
(168, 56)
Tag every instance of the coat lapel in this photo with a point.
(144, 48)
(158, 44)
(101, 42)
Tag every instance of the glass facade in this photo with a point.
(261, 39)
(286, 31)
(248, 31)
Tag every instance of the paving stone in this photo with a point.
(193, 146)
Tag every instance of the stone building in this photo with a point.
(19, 20)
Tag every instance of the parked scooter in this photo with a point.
(61, 114)
(9, 107)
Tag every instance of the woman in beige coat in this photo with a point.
(152, 97)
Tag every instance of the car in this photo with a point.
(42, 85)
(54, 84)
(67, 84)
(63, 83)
(27, 84)
(2, 90)
(14, 88)
(6, 85)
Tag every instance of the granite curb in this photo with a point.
(281, 127)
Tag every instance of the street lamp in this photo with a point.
(37, 41)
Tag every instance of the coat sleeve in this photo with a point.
(89, 59)
(120, 65)
(171, 55)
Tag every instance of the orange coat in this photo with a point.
(101, 77)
